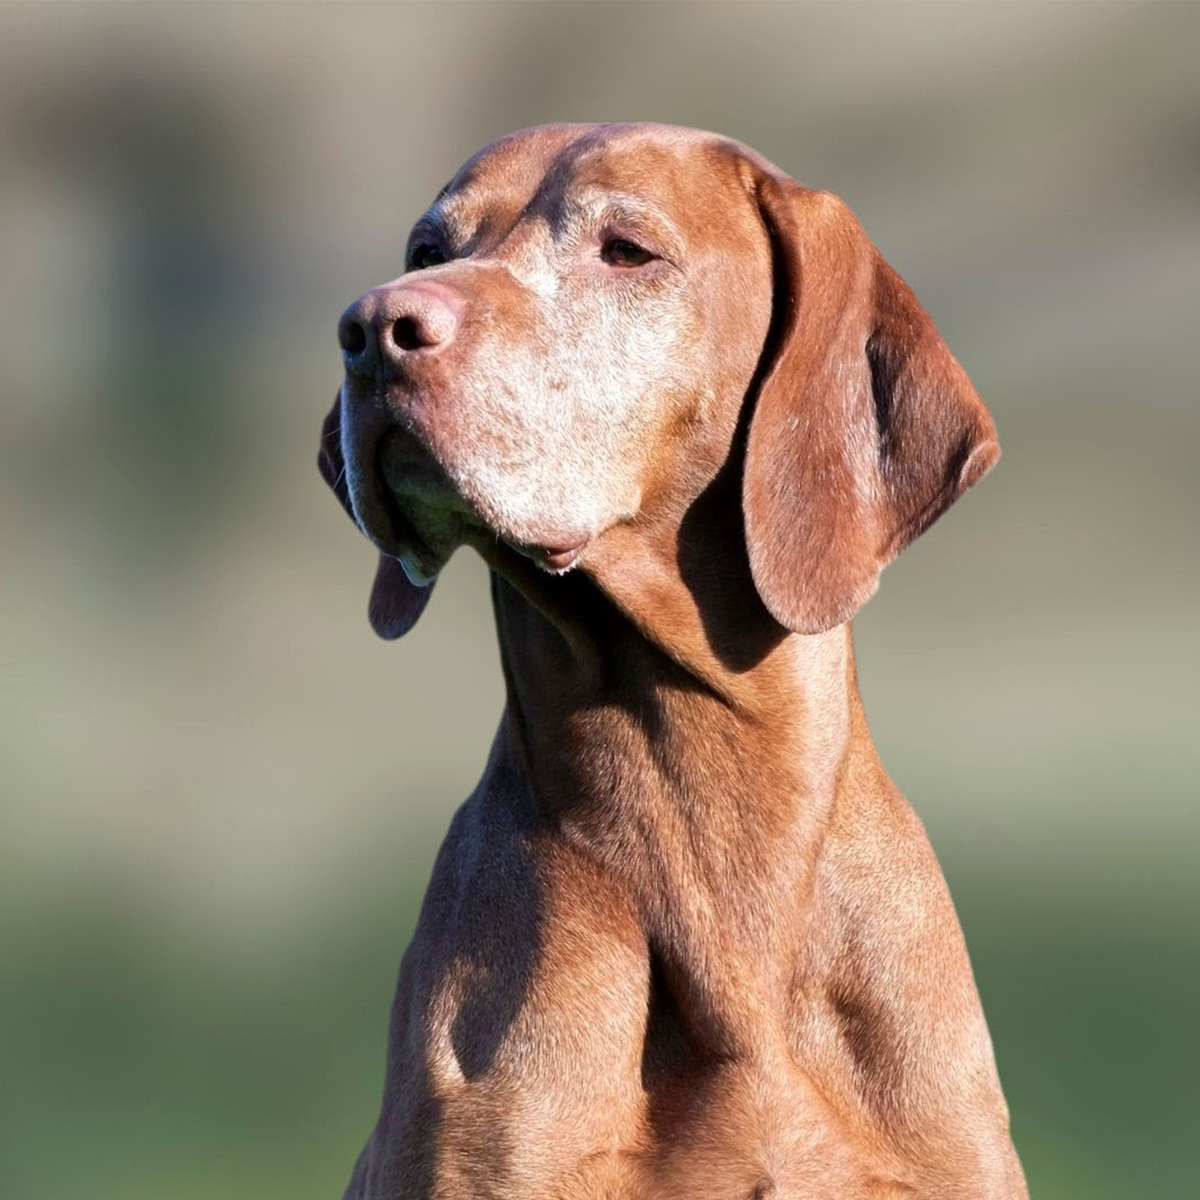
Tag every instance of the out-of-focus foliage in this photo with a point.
(220, 796)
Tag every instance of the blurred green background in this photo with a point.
(220, 795)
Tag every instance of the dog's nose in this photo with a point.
(389, 325)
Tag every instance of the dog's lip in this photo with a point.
(400, 536)
(408, 467)
(410, 471)
(556, 556)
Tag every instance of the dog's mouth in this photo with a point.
(430, 518)
(409, 470)
(557, 559)
(424, 515)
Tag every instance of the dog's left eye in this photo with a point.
(427, 255)
(619, 253)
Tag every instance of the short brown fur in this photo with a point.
(685, 939)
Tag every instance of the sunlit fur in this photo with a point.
(685, 940)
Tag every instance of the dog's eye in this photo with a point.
(426, 255)
(619, 253)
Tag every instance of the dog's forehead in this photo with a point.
(540, 169)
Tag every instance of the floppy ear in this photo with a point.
(865, 427)
(395, 603)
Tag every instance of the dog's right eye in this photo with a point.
(426, 255)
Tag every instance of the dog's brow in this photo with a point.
(630, 200)
(619, 206)
(448, 218)
(624, 211)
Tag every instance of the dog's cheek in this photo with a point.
(553, 431)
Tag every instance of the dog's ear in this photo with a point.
(865, 428)
(395, 603)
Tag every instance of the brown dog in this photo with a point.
(685, 940)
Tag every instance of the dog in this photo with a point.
(685, 939)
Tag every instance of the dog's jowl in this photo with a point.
(685, 940)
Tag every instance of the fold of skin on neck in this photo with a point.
(674, 733)
(738, 802)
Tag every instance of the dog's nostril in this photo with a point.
(353, 337)
(406, 333)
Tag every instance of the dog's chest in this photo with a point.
(558, 1054)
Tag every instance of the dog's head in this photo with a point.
(585, 314)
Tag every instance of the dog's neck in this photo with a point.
(702, 783)
(663, 624)
(632, 647)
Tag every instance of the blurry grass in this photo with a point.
(1092, 1013)
(147, 1061)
